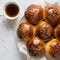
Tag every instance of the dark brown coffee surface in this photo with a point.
(12, 10)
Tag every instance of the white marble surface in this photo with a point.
(8, 37)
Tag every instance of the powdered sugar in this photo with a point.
(36, 42)
(50, 11)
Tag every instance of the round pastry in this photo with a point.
(44, 30)
(57, 32)
(52, 14)
(36, 47)
(53, 49)
(34, 13)
(25, 31)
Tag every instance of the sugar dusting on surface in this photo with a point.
(50, 11)
(36, 42)
(27, 26)
(54, 43)
(34, 11)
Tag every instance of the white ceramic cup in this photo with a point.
(6, 15)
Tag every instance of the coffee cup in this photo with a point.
(11, 10)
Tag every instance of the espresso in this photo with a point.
(12, 10)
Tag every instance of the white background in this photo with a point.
(8, 37)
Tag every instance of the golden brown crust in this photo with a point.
(25, 31)
(53, 49)
(57, 32)
(36, 46)
(52, 14)
(44, 30)
(34, 13)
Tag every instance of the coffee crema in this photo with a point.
(12, 10)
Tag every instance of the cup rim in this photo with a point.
(4, 12)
